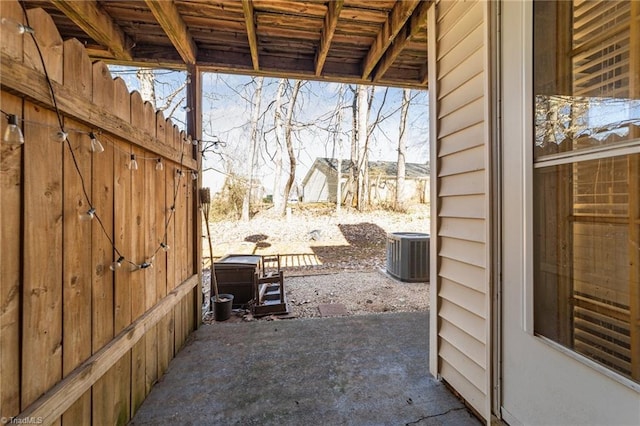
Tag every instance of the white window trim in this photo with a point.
(629, 147)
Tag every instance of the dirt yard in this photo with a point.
(328, 258)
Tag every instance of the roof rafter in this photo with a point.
(417, 22)
(329, 28)
(247, 7)
(398, 16)
(98, 25)
(167, 15)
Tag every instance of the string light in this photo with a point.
(90, 214)
(61, 136)
(13, 135)
(194, 176)
(17, 27)
(117, 264)
(133, 163)
(96, 146)
(187, 108)
(145, 265)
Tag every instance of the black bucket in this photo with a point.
(222, 308)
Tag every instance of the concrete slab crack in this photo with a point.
(451, 410)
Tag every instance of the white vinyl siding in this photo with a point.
(458, 84)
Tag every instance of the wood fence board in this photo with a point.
(179, 221)
(102, 251)
(153, 236)
(50, 44)
(139, 255)
(60, 301)
(10, 262)
(60, 397)
(42, 295)
(20, 79)
(77, 69)
(122, 286)
(76, 266)
(12, 43)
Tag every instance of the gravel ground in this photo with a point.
(350, 250)
(360, 293)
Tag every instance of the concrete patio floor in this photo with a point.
(359, 370)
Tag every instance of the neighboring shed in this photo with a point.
(320, 182)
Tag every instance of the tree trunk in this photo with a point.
(337, 137)
(253, 140)
(363, 112)
(146, 78)
(402, 148)
(279, 154)
(350, 196)
(287, 136)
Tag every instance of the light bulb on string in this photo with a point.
(187, 141)
(17, 27)
(187, 108)
(90, 214)
(143, 265)
(61, 136)
(159, 165)
(96, 146)
(164, 246)
(194, 176)
(117, 264)
(12, 134)
(133, 163)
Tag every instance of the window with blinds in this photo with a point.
(587, 179)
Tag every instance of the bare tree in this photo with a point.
(279, 154)
(288, 139)
(337, 137)
(253, 147)
(402, 147)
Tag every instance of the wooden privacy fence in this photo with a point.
(80, 343)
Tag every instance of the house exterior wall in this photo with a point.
(320, 187)
(459, 198)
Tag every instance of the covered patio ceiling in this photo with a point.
(356, 41)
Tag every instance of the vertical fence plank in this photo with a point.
(12, 42)
(10, 259)
(49, 42)
(103, 399)
(153, 239)
(77, 267)
(42, 302)
(137, 249)
(123, 229)
(161, 209)
(179, 219)
(42, 296)
(168, 331)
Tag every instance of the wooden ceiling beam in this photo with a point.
(98, 25)
(417, 23)
(167, 15)
(398, 16)
(329, 28)
(247, 7)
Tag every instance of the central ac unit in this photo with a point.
(408, 256)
